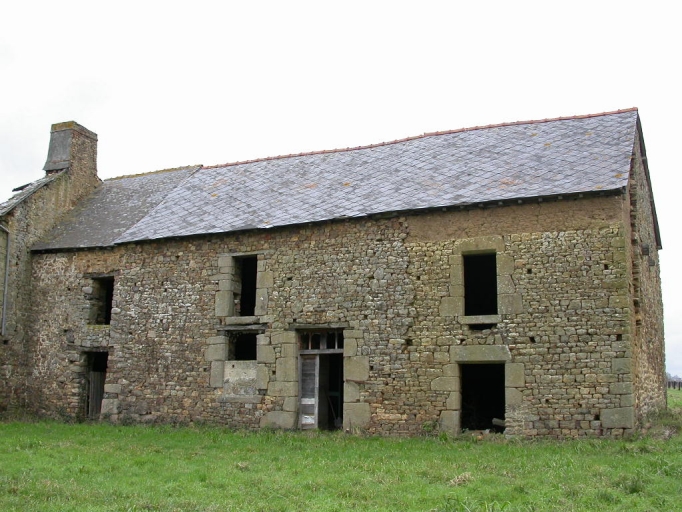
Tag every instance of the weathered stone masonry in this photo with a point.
(208, 328)
(71, 175)
(563, 333)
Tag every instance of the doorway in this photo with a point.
(95, 375)
(483, 398)
(321, 380)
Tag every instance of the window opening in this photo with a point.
(321, 340)
(242, 347)
(245, 291)
(95, 375)
(102, 300)
(480, 284)
(482, 396)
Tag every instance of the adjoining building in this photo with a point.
(502, 277)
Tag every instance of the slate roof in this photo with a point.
(524, 160)
(25, 192)
(116, 205)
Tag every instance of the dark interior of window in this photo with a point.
(247, 267)
(480, 284)
(242, 347)
(102, 300)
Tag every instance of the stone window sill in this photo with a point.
(242, 320)
(98, 327)
(480, 319)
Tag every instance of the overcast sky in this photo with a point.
(166, 84)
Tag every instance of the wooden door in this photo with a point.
(310, 400)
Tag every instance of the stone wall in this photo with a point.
(648, 351)
(562, 329)
(27, 223)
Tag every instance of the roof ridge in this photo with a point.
(192, 168)
(417, 137)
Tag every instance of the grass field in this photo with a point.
(47, 466)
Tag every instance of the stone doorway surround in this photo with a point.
(514, 380)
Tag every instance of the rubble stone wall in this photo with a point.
(648, 350)
(27, 223)
(563, 329)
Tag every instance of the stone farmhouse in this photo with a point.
(502, 277)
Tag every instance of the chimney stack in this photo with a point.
(73, 152)
(72, 147)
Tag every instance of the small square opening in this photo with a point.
(242, 347)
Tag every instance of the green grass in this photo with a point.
(97, 467)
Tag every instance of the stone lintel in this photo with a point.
(243, 320)
(258, 328)
(479, 244)
(479, 354)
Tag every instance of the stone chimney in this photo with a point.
(73, 149)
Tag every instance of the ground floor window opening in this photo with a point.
(482, 397)
(321, 380)
(242, 346)
(95, 375)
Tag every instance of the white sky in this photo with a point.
(166, 84)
